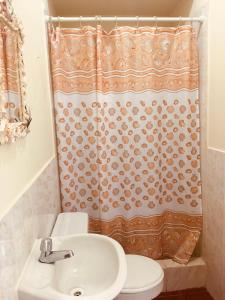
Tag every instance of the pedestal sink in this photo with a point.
(96, 272)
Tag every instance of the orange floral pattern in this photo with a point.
(127, 120)
(155, 236)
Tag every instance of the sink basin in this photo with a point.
(97, 271)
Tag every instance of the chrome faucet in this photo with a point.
(48, 256)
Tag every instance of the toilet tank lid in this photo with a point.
(143, 273)
(70, 223)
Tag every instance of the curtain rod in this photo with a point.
(124, 19)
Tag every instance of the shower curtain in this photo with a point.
(127, 122)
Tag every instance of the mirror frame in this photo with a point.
(11, 131)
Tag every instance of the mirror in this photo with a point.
(15, 117)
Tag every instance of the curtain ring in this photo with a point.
(96, 20)
(116, 25)
(179, 23)
(51, 26)
(59, 24)
(155, 24)
(80, 21)
(191, 24)
(100, 20)
(137, 22)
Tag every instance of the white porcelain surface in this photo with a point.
(143, 274)
(70, 223)
(144, 279)
(98, 268)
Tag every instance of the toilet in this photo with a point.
(144, 275)
(144, 279)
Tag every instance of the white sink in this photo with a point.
(97, 271)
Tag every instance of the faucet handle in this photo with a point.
(46, 245)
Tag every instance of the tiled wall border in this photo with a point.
(31, 217)
(179, 277)
(214, 223)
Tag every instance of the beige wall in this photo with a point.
(20, 163)
(113, 7)
(50, 7)
(214, 192)
(214, 223)
(216, 133)
(212, 91)
(216, 64)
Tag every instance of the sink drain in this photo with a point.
(77, 292)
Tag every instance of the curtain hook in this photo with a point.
(137, 22)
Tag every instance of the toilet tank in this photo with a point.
(70, 223)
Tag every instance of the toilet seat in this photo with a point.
(143, 273)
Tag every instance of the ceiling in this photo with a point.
(113, 7)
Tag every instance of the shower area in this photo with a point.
(130, 114)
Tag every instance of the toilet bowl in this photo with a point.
(144, 279)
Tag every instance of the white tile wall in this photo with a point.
(32, 217)
(181, 277)
(214, 233)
